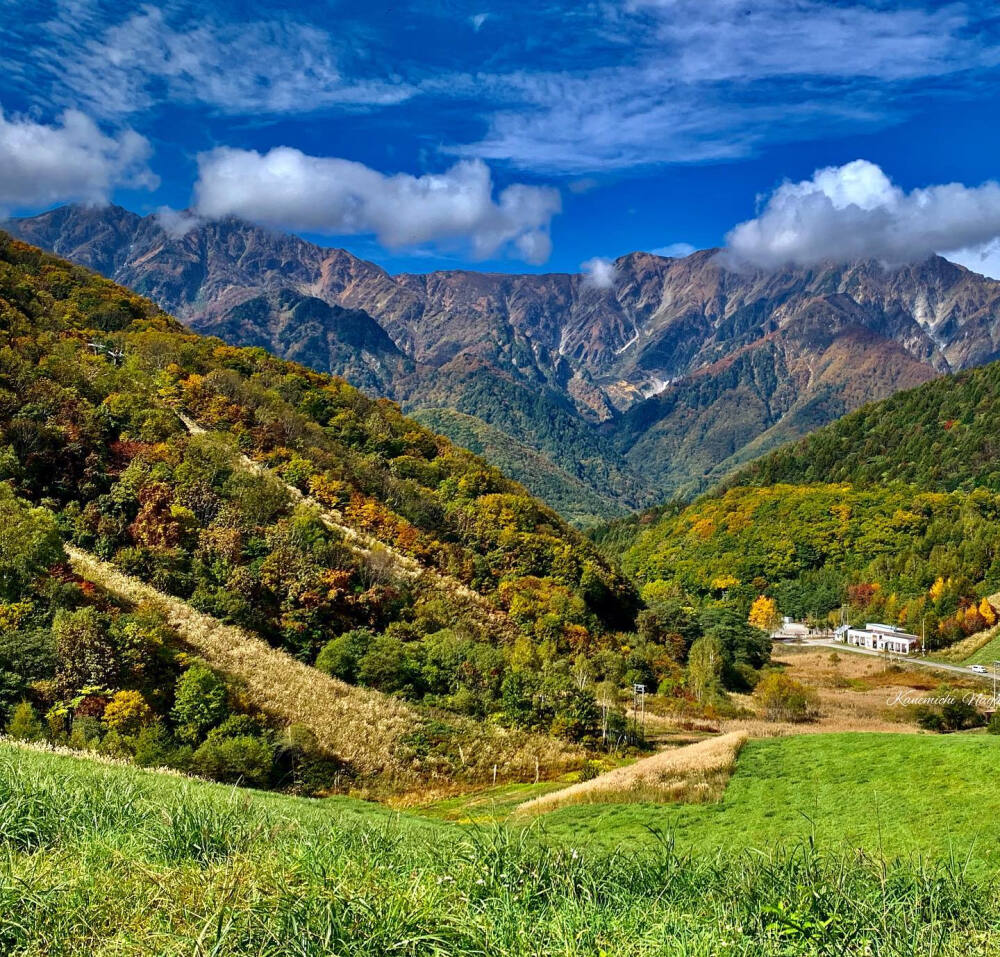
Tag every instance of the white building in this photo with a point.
(878, 637)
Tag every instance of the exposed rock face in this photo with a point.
(682, 370)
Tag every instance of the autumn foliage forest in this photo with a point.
(898, 543)
(288, 503)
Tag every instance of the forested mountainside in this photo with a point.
(239, 490)
(891, 511)
(679, 372)
(942, 436)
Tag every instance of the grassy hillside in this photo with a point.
(104, 859)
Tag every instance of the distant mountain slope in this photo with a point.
(774, 390)
(308, 330)
(686, 366)
(570, 496)
(943, 435)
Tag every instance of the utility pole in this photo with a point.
(639, 706)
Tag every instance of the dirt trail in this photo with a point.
(373, 551)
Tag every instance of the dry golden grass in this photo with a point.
(358, 725)
(696, 773)
(366, 729)
(967, 647)
(855, 693)
(961, 650)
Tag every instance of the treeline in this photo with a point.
(536, 416)
(570, 496)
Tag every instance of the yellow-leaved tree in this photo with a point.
(988, 612)
(764, 614)
(724, 582)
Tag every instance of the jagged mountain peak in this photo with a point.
(672, 344)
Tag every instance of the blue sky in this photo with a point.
(520, 136)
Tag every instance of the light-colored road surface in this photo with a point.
(895, 659)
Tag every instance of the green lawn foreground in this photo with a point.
(934, 795)
(100, 860)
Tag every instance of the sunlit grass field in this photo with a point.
(895, 794)
(99, 859)
(987, 654)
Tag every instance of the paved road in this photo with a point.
(896, 659)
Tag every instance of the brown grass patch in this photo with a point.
(695, 774)
(967, 647)
(855, 693)
(370, 731)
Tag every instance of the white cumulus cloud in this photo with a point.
(285, 188)
(176, 223)
(70, 160)
(599, 273)
(856, 212)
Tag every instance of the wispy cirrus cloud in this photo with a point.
(736, 40)
(578, 88)
(690, 81)
(119, 65)
(288, 189)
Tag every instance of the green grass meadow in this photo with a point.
(986, 655)
(106, 860)
(901, 794)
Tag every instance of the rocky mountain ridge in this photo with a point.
(659, 384)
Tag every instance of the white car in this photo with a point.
(979, 669)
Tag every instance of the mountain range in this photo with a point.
(598, 397)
